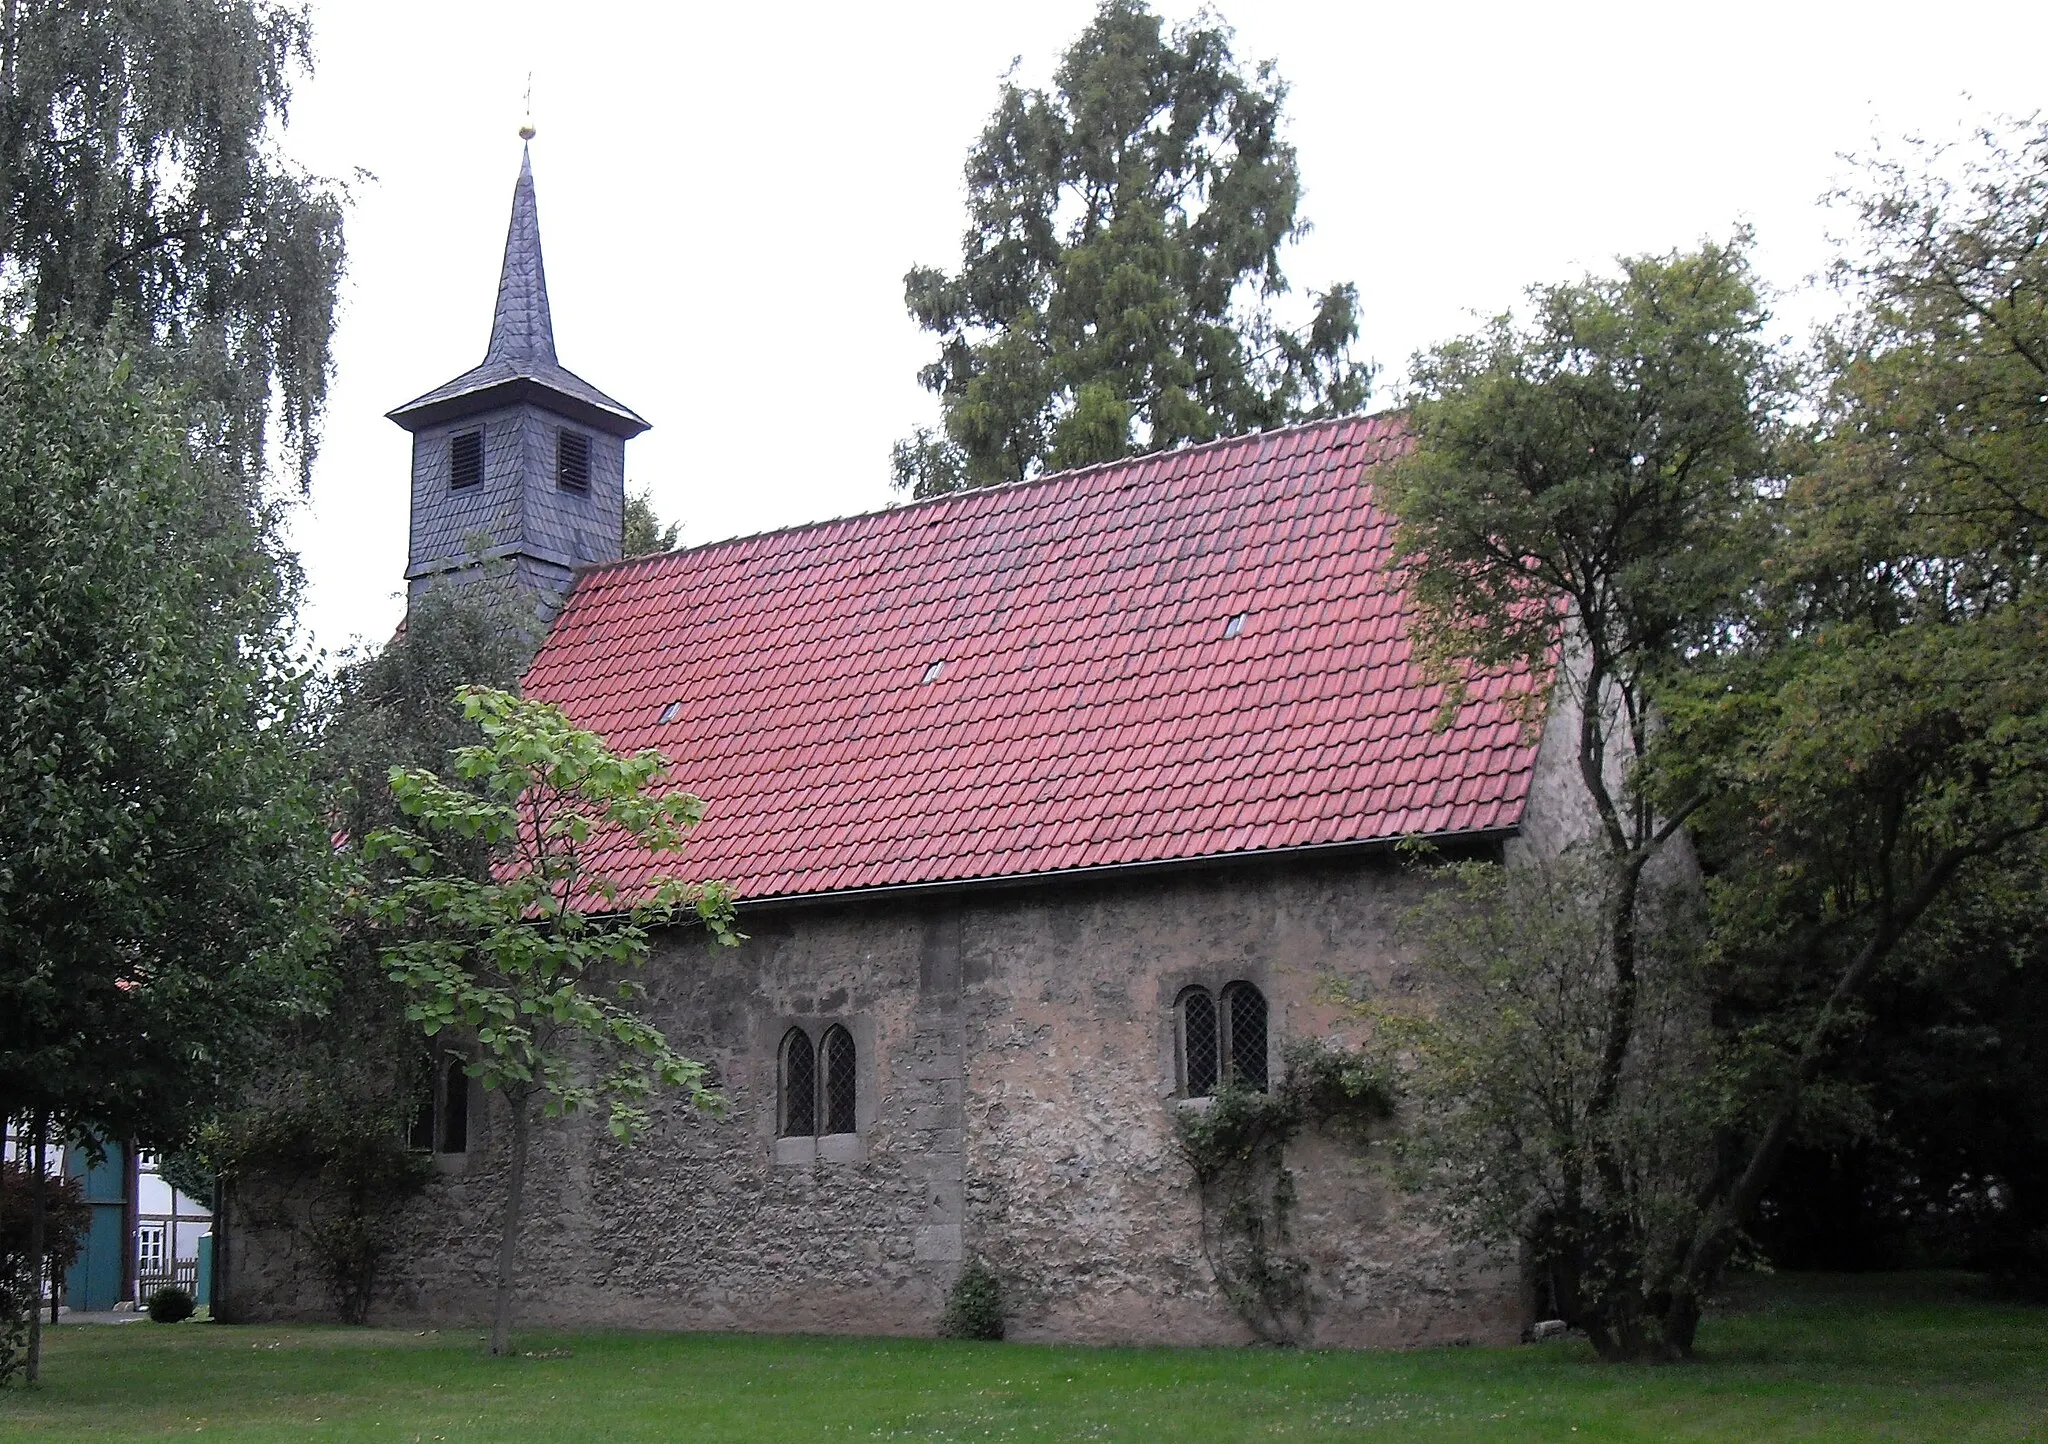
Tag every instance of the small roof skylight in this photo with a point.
(1235, 625)
(931, 672)
(672, 711)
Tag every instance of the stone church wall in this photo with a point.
(1016, 1065)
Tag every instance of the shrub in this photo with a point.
(170, 1305)
(974, 1309)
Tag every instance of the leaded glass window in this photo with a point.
(455, 1107)
(799, 1086)
(1244, 1022)
(1198, 1043)
(839, 1081)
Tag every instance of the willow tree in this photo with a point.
(1122, 257)
(143, 191)
(169, 281)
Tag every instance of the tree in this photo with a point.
(1873, 740)
(1942, 1154)
(318, 1140)
(1119, 267)
(163, 843)
(1854, 732)
(397, 705)
(1517, 1121)
(531, 962)
(142, 192)
(1579, 511)
(43, 1219)
(645, 532)
(144, 206)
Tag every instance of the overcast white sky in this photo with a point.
(730, 194)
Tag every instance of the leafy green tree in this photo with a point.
(142, 189)
(317, 1141)
(1873, 740)
(1580, 511)
(159, 882)
(318, 1144)
(43, 1220)
(1120, 264)
(397, 705)
(1514, 1119)
(1942, 1156)
(144, 205)
(646, 533)
(531, 962)
(1855, 731)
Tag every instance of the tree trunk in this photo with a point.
(508, 1231)
(1713, 1241)
(38, 1242)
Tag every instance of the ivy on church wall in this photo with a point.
(1236, 1146)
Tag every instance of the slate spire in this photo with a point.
(518, 459)
(522, 330)
(520, 363)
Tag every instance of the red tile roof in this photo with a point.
(1086, 704)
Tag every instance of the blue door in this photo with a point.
(94, 1282)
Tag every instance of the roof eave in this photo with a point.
(437, 407)
(1442, 841)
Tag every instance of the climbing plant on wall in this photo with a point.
(1236, 1143)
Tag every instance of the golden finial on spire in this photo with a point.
(526, 131)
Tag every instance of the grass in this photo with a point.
(1813, 1358)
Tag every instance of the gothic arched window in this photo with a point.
(839, 1081)
(454, 1107)
(799, 1085)
(1244, 1036)
(440, 1120)
(1199, 1054)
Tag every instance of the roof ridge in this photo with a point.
(965, 493)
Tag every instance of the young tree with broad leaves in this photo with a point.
(1581, 509)
(529, 965)
(1120, 266)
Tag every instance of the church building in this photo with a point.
(1051, 809)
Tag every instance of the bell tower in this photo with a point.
(517, 460)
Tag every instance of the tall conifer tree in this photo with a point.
(1120, 265)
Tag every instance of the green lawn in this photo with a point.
(1798, 1358)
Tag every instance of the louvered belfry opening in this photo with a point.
(1245, 1019)
(1198, 1043)
(572, 460)
(799, 1086)
(839, 1081)
(465, 459)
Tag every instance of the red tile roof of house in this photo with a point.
(1042, 677)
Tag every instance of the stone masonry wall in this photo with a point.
(1016, 1101)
